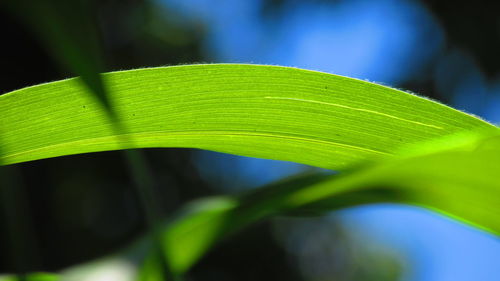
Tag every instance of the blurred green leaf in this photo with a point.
(204, 222)
(462, 182)
(271, 112)
(32, 277)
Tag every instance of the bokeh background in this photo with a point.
(78, 208)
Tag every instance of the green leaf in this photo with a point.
(261, 111)
(461, 181)
(32, 277)
(204, 222)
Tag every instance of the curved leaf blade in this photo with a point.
(261, 111)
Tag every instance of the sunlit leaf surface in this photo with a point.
(261, 111)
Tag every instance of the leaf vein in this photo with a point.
(358, 109)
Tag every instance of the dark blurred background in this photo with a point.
(78, 208)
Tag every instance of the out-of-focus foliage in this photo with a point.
(440, 175)
(32, 277)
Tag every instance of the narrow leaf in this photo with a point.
(271, 112)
